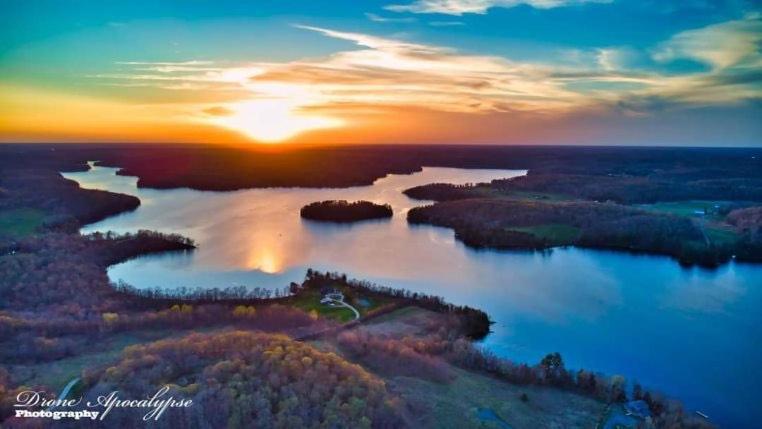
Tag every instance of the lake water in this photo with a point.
(689, 332)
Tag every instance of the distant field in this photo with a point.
(717, 233)
(57, 373)
(20, 222)
(554, 233)
(721, 236)
(544, 196)
(472, 399)
(407, 321)
(701, 208)
(475, 400)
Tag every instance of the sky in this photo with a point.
(591, 72)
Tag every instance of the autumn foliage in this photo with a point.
(241, 379)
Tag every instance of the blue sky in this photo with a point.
(510, 69)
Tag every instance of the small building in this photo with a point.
(331, 295)
(638, 409)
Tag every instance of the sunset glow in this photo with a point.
(405, 72)
(270, 121)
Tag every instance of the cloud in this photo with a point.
(218, 111)
(377, 18)
(460, 7)
(378, 76)
(398, 72)
(166, 63)
(723, 45)
(446, 23)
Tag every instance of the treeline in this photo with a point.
(474, 323)
(27, 342)
(550, 371)
(343, 211)
(430, 355)
(503, 223)
(65, 204)
(199, 167)
(627, 189)
(748, 220)
(441, 192)
(619, 189)
(122, 247)
(232, 294)
(52, 268)
(242, 379)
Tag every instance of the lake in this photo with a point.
(691, 333)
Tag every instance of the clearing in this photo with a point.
(20, 222)
(473, 399)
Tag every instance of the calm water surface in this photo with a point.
(691, 333)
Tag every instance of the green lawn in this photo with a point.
(691, 208)
(20, 222)
(463, 402)
(721, 236)
(555, 233)
(309, 300)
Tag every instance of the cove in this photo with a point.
(691, 333)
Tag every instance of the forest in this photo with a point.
(342, 211)
(209, 167)
(531, 224)
(241, 379)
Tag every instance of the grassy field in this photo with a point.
(720, 236)
(57, 373)
(309, 300)
(472, 399)
(692, 208)
(406, 321)
(554, 233)
(20, 222)
(475, 400)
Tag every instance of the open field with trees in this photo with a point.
(16, 223)
(537, 213)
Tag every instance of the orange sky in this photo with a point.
(388, 89)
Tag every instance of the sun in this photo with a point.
(271, 120)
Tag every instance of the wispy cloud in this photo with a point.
(460, 7)
(723, 45)
(446, 23)
(385, 19)
(381, 75)
(166, 63)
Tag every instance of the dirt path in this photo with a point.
(344, 304)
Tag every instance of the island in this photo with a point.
(341, 211)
